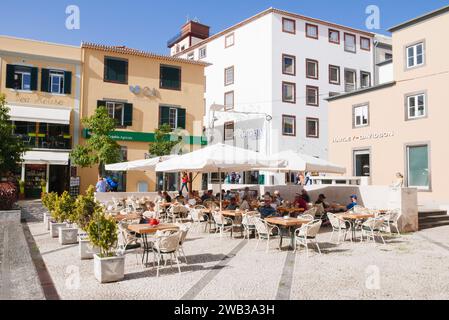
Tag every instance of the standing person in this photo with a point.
(102, 185)
(308, 179)
(185, 181)
(302, 179)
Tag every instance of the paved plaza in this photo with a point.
(414, 266)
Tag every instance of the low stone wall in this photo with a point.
(107, 196)
(10, 216)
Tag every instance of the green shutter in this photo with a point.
(34, 73)
(67, 82)
(128, 115)
(45, 80)
(182, 118)
(10, 69)
(164, 115)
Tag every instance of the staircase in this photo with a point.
(433, 219)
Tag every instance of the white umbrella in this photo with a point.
(302, 162)
(138, 165)
(218, 158)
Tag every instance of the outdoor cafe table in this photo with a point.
(144, 230)
(290, 224)
(353, 217)
(131, 216)
(290, 211)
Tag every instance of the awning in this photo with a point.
(39, 114)
(43, 157)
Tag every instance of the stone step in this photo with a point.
(433, 219)
(431, 213)
(423, 226)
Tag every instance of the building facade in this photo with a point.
(268, 78)
(41, 82)
(142, 91)
(401, 126)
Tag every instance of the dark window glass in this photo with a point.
(116, 70)
(170, 78)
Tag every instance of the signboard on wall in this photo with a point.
(364, 137)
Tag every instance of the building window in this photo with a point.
(334, 36)
(229, 100)
(365, 43)
(350, 43)
(202, 53)
(170, 77)
(350, 80)
(21, 77)
(173, 116)
(311, 31)
(361, 116)
(229, 131)
(312, 128)
(416, 106)
(418, 171)
(115, 70)
(312, 69)
(362, 163)
(388, 56)
(229, 40)
(288, 64)
(289, 92)
(191, 56)
(289, 125)
(365, 79)
(56, 82)
(229, 76)
(415, 55)
(289, 25)
(116, 112)
(312, 96)
(22, 80)
(334, 75)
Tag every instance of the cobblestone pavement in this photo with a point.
(414, 266)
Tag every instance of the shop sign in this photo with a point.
(364, 137)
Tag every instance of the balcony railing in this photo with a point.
(43, 141)
(174, 39)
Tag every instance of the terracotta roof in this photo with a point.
(139, 53)
(264, 13)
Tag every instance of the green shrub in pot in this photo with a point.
(63, 209)
(102, 231)
(85, 207)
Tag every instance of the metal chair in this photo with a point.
(307, 234)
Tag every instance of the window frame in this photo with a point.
(290, 20)
(317, 95)
(362, 73)
(205, 53)
(22, 73)
(354, 115)
(114, 105)
(106, 70)
(225, 136)
(331, 66)
(329, 36)
(317, 77)
(317, 128)
(284, 118)
(355, 78)
(346, 34)
(283, 64)
(415, 55)
(231, 35)
(160, 77)
(407, 148)
(227, 108)
(294, 92)
(225, 76)
(415, 95)
(317, 31)
(369, 43)
(57, 73)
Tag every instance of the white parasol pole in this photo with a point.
(221, 195)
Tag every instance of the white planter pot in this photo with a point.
(54, 228)
(109, 269)
(68, 236)
(87, 250)
(47, 220)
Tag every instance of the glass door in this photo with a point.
(362, 163)
(418, 173)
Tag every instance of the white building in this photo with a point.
(273, 72)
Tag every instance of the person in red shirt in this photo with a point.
(185, 181)
(300, 203)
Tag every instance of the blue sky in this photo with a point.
(147, 25)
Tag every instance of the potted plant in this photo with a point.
(85, 207)
(58, 215)
(49, 201)
(102, 231)
(68, 232)
(22, 190)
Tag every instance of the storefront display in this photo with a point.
(35, 178)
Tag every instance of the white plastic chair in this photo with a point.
(391, 220)
(196, 216)
(249, 224)
(184, 230)
(265, 232)
(372, 228)
(311, 212)
(307, 234)
(167, 245)
(223, 224)
(340, 226)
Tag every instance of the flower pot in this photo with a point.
(68, 236)
(47, 218)
(54, 228)
(87, 250)
(109, 269)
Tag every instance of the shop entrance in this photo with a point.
(59, 178)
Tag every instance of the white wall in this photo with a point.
(386, 73)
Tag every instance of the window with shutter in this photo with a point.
(170, 77)
(164, 115)
(128, 115)
(181, 118)
(115, 70)
(45, 80)
(67, 82)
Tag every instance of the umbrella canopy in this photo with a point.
(302, 162)
(218, 157)
(139, 165)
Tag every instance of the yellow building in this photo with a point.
(41, 82)
(401, 126)
(141, 91)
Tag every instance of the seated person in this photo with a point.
(159, 197)
(353, 203)
(205, 196)
(228, 195)
(211, 195)
(180, 198)
(305, 195)
(321, 200)
(233, 205)
(166, 197)
(267, 210)
(278, 198)
(245, 204)
(300, 203)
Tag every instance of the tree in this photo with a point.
(12, 147)
(100, 149)
(163, 145)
